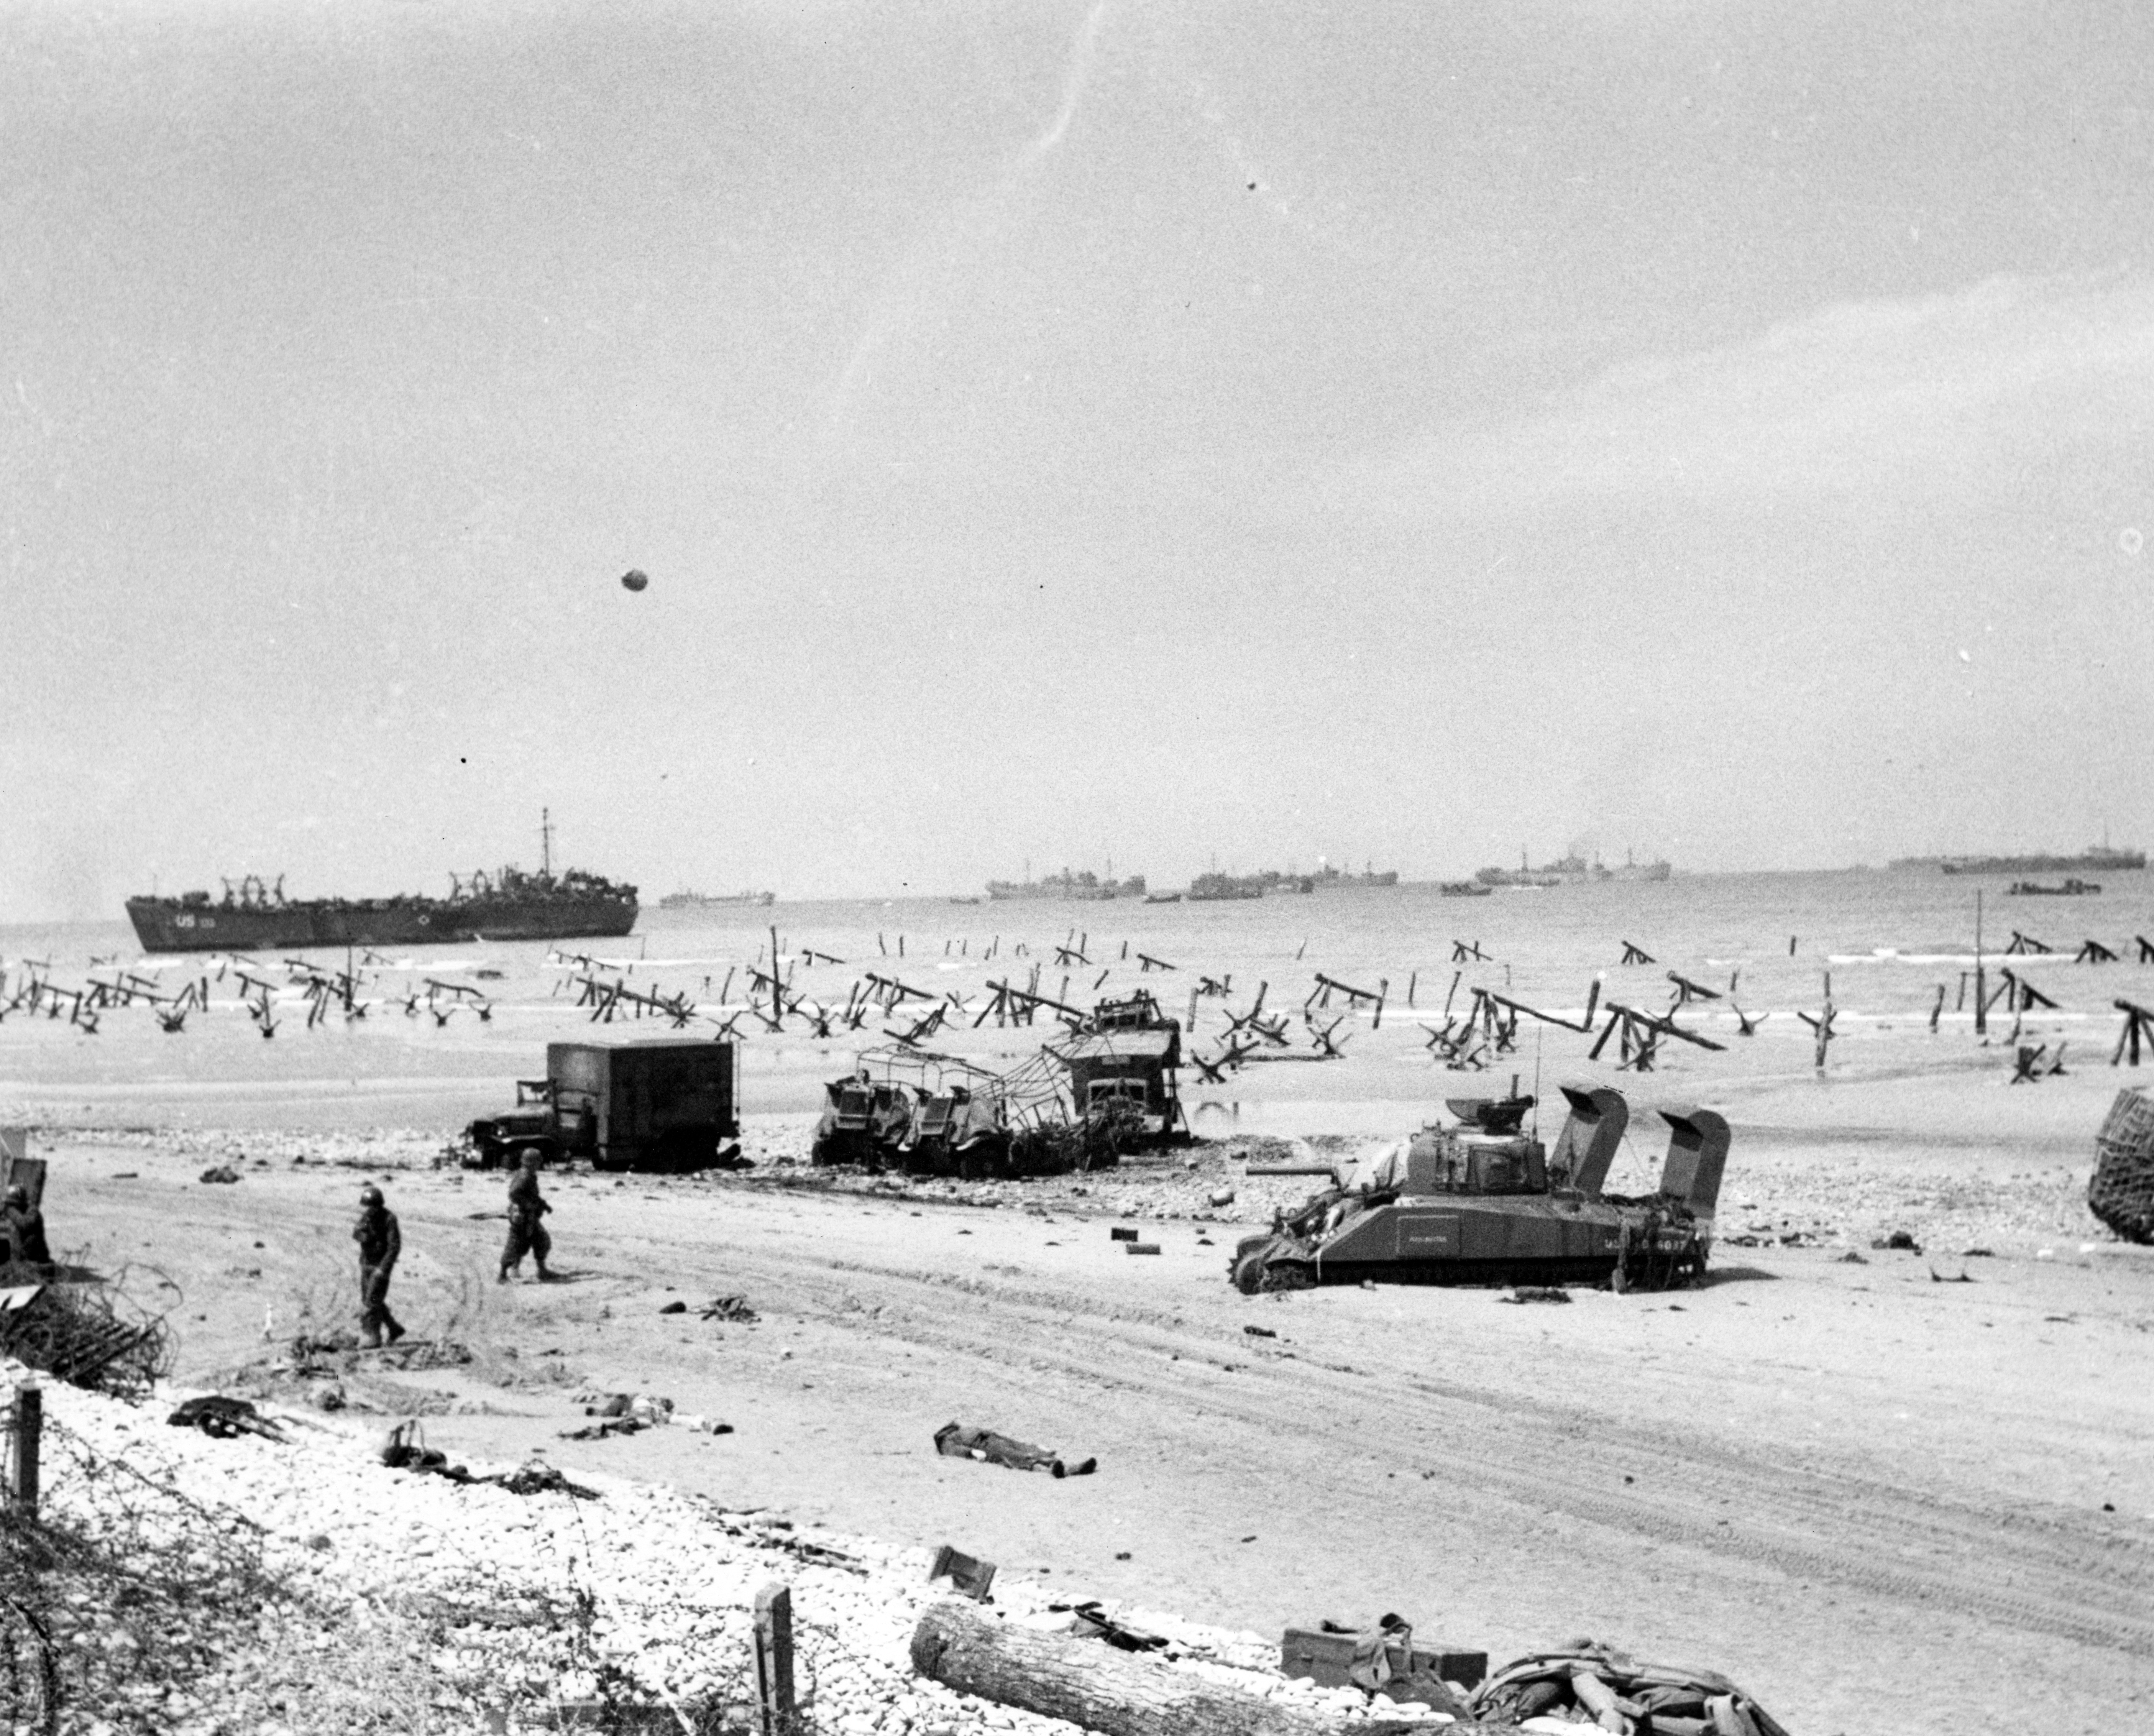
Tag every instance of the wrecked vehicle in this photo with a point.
(1125, 1062)
(1484, 1203)
(960, 1131)
(864, 1121)
(909, 1109)
(667, 1104)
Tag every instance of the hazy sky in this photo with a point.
(1162, 431)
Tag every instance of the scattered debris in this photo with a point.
(220, 1173)
(609, 1425)
(1260, 1332)
(674, 1307)
(1090, 1621)
(1118, 1235)
(1852, 1259)
(224, 1418)
(1140, 1247)
(1900, 1239)
(2121, 1192)
(78, 1333)
(735, 1308)
(1383, 1659)
(954, 1441)
(538, 1478)
(968, 1576)
(1537, 1292)
(1595, 1685)
(1937, 1277)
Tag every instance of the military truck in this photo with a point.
(668, 1103)
(1485, 1202)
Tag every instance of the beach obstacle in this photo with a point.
(2146, 949)
(1746, 1025)
(1325, 1040)
(2137, 1034)
(1688, 991)
(1468, 952)
(1488, 996)
(2018, 993)
(1145, 962)
(1641, 1033)
(1634, 954)
(2029, 1068)
(2024, 943)
(1820, 1025)
(1937, 1012)
(1326, 987)
(2094, 952)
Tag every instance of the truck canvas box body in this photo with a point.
(662, 1104)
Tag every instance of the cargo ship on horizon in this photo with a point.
(1572, 870)
(1086, 886)
(2098, 857)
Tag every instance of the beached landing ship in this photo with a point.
(1483, 1202)
(510, 904)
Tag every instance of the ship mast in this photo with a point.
(546, 842)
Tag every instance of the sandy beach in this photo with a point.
(1838, 1473)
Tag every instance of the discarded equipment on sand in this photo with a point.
(1485, 1202)
(653, 1104)
(866, 1120)
(1108, 1086)
(2121, 1192)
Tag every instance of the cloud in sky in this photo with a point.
(1928, 393)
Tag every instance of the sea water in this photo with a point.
(1883, 944)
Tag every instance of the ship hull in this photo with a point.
(2096, 860)
(165, 925)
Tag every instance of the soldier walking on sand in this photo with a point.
(379, 1242)
(526, 1233)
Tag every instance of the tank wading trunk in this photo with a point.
(647, 1103)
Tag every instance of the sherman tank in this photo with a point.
(1485, 1202)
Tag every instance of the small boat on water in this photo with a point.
(700, 900)
(1464, 888)
(2072, 888)
(1163, 898)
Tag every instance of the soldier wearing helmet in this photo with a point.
(526, 1233)
(379, 1242)
(26, 1230)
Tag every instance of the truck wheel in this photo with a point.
(1249, 1273)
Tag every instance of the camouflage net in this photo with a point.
(2122, 1194)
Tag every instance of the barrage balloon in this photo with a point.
(635, 579)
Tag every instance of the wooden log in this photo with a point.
(1116, 1693)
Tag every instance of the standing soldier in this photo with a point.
(526, 1233)
(25, 1230)
(379, 1242)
